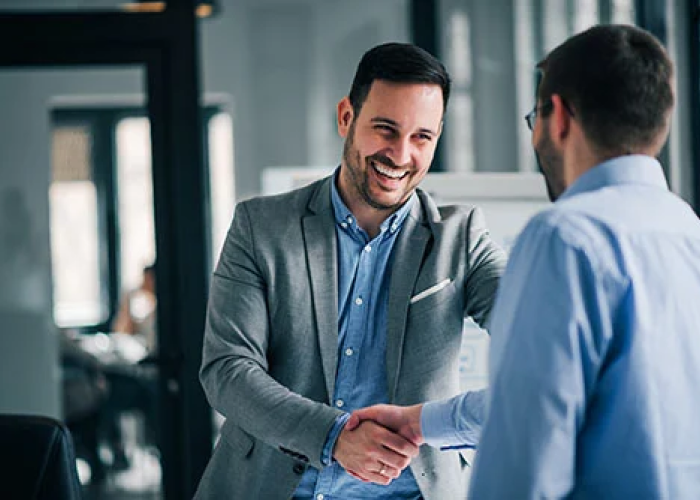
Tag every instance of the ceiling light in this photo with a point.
(203, 8)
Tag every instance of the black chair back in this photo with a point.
(37, 459)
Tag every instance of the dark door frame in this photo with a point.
(166, 46)
(424, 19)
(694, 45)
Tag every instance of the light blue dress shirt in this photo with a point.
(595, 348)
(364, 274)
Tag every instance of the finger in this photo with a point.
(358, 416)
(357, 476)
(378, 478)
(393, 460)
(397, 443)
(390, 471)
(386, 456)
(368, 413)
(353, 422)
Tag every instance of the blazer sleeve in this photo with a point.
(486, 262)
(234, 372)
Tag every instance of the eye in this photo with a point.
(424, 137)
(385, 130)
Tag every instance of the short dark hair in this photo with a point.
(618, 81)
(397, 63)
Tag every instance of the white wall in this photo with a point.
(343, 32)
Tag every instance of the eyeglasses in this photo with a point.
(531, 117)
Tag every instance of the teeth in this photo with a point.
(388, 172)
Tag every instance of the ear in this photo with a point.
(560, 120)
(345, 116)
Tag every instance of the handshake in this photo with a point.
(379, 442)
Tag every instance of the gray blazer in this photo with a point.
(271, 339)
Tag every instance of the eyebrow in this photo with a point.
(389, 121)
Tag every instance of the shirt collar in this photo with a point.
(344, 216)
(630, 169)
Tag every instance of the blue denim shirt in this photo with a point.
(364, 273)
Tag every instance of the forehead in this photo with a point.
(408, 104)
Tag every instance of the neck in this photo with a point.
(579, 159)
(369, 219)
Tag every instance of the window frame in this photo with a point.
(102, 122)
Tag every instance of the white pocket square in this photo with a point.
(430, 291)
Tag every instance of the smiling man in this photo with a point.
(346, 293)
(388, 148)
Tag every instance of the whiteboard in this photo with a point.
(508, 200)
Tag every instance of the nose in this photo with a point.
(401, 151)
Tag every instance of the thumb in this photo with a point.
(357, 417)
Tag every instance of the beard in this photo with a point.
(358, 177)
(551, 165)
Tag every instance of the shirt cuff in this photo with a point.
(327, 453)
(439, 426)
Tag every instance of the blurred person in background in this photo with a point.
(137, 311)
(133, 386)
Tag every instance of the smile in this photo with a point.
(388, 172)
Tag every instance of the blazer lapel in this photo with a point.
(320, 242)
(408, 253)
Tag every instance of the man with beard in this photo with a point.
(346, 293)
(595, 357)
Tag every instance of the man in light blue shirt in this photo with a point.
(595, 353)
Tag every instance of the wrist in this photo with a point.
(415, 423)
(328, 453)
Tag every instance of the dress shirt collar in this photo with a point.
(345, 218)
(630, 169)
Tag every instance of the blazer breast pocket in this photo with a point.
(432, 297)
(237, 438)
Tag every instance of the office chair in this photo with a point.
(37, 459)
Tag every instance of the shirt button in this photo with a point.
(358, 301)
(319, 496)
(339, 403)
(348, 352)
(343, 225)
(368, 249)
(349, 219)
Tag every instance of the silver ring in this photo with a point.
(382, 470)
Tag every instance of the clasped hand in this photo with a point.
(378, 442)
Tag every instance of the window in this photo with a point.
(491, 49)
(75, 247)
(221, 177)
(101, 202)
(459, 119)
(137, 247)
